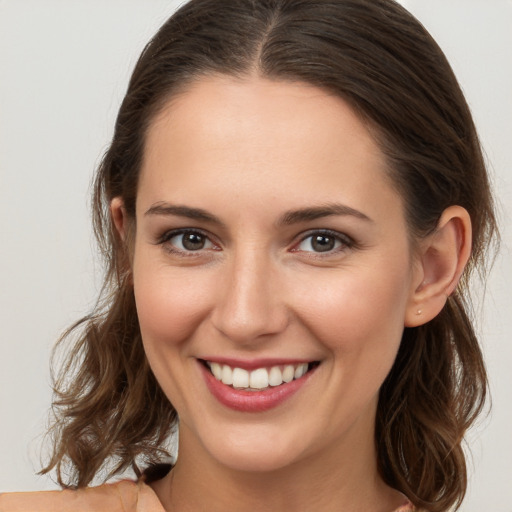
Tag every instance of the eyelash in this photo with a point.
(169, 235)
(344, 242)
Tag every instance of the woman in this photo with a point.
(291, 207)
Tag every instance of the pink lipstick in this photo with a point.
(270, 383)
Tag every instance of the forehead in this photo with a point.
(219, 110)
(262, 139)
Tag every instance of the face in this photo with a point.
(272, 271)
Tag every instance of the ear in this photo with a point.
(441, 261)
(118, 213)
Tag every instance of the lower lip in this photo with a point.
(252, 401)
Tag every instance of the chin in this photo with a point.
(250, 449)
(255, 459)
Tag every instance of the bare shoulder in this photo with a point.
(407, 507)
(118, 497)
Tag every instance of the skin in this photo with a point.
(248, 152)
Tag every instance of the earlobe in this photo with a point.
(441, 261)
(118, 213)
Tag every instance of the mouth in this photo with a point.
(258, 379)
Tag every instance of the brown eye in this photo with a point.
(190, 241)
(193, 241)
(324, 242)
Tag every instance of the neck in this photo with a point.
(344, 475)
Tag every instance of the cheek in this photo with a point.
(171, 307)
(170, 304)
(357, 311)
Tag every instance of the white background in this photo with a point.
(64, 66)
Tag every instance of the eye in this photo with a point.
(187, 241)
(323, 241)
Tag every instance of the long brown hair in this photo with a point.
(109, 409)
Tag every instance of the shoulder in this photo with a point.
(406, 507)
(124, 496)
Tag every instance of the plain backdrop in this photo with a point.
(64, 66)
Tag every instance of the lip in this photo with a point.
(253, 364)
(252, 401)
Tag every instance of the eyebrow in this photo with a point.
(288, 218)
(184, 211)
(317, 212)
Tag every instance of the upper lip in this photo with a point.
(252, 364)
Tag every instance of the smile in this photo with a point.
(259, 386)
(259, 378)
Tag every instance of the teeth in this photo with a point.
(227, 375)
(216, 369)
(300, 370)
(240, 378)
(288, 373)
(261, 378)
(275, 377)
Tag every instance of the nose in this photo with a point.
(251, 304)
